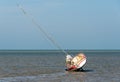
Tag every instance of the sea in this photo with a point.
(49, 66)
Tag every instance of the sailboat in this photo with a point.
(72, 63)
(75, 63)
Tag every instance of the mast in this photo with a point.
(48, 36)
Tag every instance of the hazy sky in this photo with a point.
(74, 24)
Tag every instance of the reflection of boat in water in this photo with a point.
(75, 63)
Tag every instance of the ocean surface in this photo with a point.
(49, 66)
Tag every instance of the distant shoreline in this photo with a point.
(57, 51)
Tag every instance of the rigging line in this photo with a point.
(42, 30)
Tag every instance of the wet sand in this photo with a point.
(51, 68)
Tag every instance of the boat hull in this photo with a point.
(77, 62)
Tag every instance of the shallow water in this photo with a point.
(50, 67)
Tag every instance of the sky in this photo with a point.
(74, 24)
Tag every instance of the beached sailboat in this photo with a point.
(72, 63)
(75, 63)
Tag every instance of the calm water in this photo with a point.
(49, 66)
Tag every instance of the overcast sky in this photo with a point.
(74, 24)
